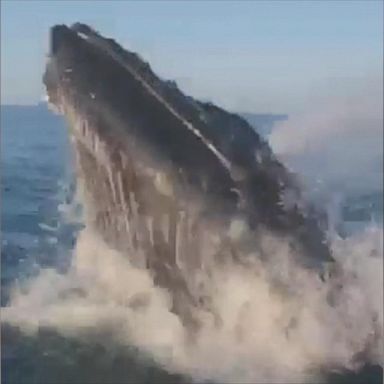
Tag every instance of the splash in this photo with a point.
(338, 138)
(273, 320)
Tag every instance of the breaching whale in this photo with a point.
(170, 181)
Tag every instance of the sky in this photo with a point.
(255, 56)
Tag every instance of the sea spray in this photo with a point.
(273, 320)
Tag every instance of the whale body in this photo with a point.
(167, 177)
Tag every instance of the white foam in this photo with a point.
(260, 332)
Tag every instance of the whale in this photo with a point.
(179, 186)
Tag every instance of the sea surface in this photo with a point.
(36, 182)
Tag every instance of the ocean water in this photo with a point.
(35, 177)
(37, 182)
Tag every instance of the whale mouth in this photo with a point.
(165, 176)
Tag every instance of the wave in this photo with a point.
(274, 321)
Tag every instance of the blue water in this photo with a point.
(35, 158)
(36, 179)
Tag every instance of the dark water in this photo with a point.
(35, 161)
(36, 179)
(33, 156)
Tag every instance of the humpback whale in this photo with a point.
(170, 181)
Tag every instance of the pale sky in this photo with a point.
(256, 56)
